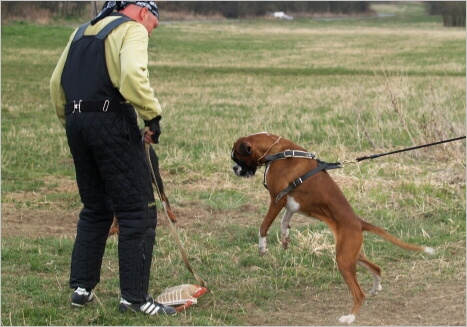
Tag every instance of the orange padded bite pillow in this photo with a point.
(181, 296)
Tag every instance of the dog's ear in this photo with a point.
(244, 149)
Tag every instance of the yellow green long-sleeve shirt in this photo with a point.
(127, 62)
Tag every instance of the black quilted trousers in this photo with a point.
(113, 178)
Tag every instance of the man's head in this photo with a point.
(143, 12)
(145, 15)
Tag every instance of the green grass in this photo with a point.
(341, 89)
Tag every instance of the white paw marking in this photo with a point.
(262, 245)
(430, 250)
(376, 286)
(347, 319)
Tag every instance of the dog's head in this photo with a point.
(244, 158)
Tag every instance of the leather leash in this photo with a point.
(172, 227)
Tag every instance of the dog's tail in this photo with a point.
(391, 238)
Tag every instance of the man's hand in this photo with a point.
(152, 136)
(148, 137)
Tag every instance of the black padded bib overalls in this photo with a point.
(111, 170)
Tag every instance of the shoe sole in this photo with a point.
(124, 308)
(78, 305)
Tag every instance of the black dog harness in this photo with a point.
(299, 181)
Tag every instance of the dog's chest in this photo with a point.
(292, 205)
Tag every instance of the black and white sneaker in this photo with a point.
(150, 307)
(80, 297)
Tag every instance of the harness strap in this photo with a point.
(289, 154)
(112, 25)
(299, 181)
(105, 31)
(79, 34)
(284, 155)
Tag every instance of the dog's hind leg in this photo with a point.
(374, 270)
(285, 227)
(271, 215)
(348, 245)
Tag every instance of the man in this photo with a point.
(99, 81)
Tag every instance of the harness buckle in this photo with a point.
(289, 153)
(77, 106)
(297, 182)
(105, 107)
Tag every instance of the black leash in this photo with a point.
(407, 149)
(326, 165)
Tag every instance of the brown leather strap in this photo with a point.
(297, 182)
(172, 227)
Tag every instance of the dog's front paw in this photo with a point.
(262, 246)
(376, 286)
(347, 319)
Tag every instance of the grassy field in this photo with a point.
(341, 89)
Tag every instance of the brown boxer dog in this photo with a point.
(114, 229)
(318, 197)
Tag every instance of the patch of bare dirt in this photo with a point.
(37, 223)
(441, 304)
(62, 223)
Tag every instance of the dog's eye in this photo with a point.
(244, 149)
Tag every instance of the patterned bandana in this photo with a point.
(110, 6)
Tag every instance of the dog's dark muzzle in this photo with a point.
(241, 169)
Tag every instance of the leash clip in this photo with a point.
(77, 106)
